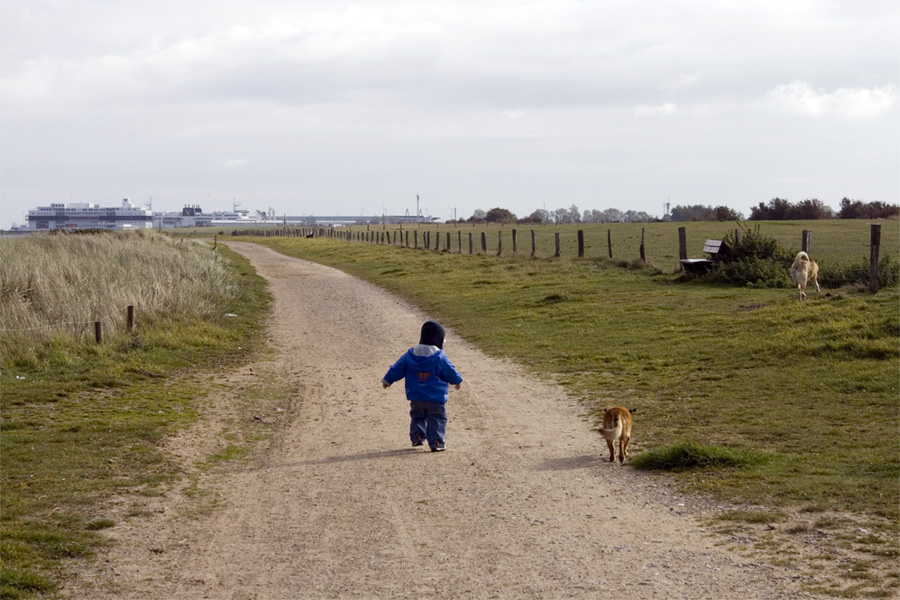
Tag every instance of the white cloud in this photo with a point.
(800, 98)
(233, 163)
(514, 115)
(683, 82)
(653, 110)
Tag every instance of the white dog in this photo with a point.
(803, 271)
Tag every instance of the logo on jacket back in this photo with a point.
(423, 377)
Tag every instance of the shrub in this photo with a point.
(833, 276)
(753, 272)
(753, 260)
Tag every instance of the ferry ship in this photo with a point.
(87, 215)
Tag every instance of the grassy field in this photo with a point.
(82, 422)
(812, 386)
(56, 286)
(832, 240)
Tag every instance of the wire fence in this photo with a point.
(663, 245)
(81, 326)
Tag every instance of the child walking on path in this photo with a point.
(428, 373)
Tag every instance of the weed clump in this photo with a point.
(688, 455)
(22, 584)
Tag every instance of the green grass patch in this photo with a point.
(15, 584)
(82, 421)
(688, 455)
(228, 453)
(758, 517)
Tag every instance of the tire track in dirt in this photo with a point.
(522, 505)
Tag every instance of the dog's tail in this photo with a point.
(613, 432)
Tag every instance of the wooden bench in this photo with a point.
(704, 265)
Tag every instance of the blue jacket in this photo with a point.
(427, 376)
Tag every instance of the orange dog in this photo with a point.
(617, 427)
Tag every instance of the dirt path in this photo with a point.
(340, 506)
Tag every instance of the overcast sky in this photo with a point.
(312, 107)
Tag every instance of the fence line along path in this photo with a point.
(666, 246)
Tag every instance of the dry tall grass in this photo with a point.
(52, 285)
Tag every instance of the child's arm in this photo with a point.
(395, 373)
(450, 374)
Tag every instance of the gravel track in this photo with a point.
(337, 504)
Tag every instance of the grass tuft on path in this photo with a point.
(688, 455)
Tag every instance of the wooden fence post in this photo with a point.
(515, 242)
(459, 240)
(806, 240)
(682, 245)
(471, 249)
(500, 242)
(873, 257)
(483, 242)
(533, 245)
(416, 238)
(580, 243)
(609, 241)
(557, 245)
(98, 331)
(130, 317)
(643, 254)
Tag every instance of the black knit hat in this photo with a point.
(432, 334)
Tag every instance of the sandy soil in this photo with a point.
(338, 504)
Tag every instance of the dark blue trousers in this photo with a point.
(427, 422)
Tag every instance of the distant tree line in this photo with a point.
(777, 209)
(560, 216)
(855, 209)
(698, 212)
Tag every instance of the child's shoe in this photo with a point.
(418, 441)
(439, 447)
